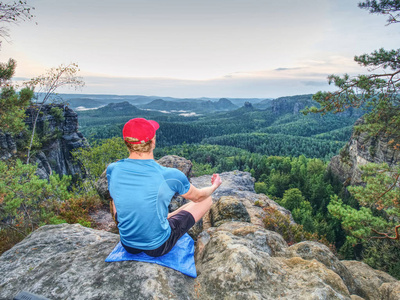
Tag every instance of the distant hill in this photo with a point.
(198, 106)
(98, 100)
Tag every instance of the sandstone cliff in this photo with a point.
(60, 136)
(236, 258)
(360, 150)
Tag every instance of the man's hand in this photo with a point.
(216, 180)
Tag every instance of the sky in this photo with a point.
(198, 48)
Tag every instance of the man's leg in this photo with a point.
(198, 209)
(178, 210)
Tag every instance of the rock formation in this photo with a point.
(236, 258)
(60, 136)
(360, 150)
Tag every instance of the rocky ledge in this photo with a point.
(58, 124)
(361, 150)
(236, 258)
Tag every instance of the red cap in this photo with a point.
(141, 129)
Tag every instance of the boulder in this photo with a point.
(311, 250)
(67, 262)
(228, 209)
(369, 281)
(390, 290)
(241, 186)
(236, 261)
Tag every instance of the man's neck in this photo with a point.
(141, 155)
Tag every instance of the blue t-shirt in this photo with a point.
(142, 190)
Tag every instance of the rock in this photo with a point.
(177, 162)
(360, 150)
(228, 209)
(241, 186)
(8, 147)
(368, 280)
(67, 262)
(312, 250)
(390, 291)
(61, 136)
(355, 297)
(237, 260)
(231, 265)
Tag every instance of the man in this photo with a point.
(142, 190)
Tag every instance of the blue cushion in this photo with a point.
(180, 258)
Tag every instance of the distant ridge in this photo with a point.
(193, 105)
(97, 100)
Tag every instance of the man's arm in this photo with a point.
(197, 195)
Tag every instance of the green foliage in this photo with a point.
(385, 7)
(25, 198)
(277, 144)
(383, 255)
(261, 188)
(7, 71)
(12, 109)
(27, 202)
(96, 159)
(379, 201)
(292, 233)
(202, 169)
(57, 113)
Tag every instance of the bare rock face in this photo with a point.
(67, 262)
(311, 250)
(360, 150)
(370, 282)
(8, 147)
(60, 136)
(228, 209)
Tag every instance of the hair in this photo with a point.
(142, 148)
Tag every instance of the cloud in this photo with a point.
(288, 69)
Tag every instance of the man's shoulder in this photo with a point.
(114, 165)
(172, 173)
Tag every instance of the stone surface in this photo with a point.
(67, 262)
(360, 150)
(8, 147)
(241, 186)
(390, 291)
(311, 250)
(228, 209)
(236, 261)
(63, 137)
(368, 280)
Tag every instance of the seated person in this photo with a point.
(141, 190)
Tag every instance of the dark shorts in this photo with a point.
(180, 224)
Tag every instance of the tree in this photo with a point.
(12, 109)
(46, 86)
(385, 7)
(13, 13)
(12, 104)
(378, 92)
